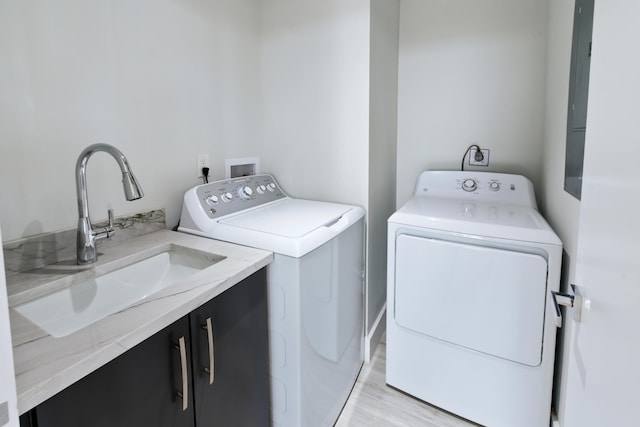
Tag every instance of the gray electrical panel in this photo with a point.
(578, 96)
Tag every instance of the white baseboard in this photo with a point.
(373, 337)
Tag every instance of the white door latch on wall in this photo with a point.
(573, 300)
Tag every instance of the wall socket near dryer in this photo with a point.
(479, 161)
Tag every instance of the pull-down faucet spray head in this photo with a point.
(87, 235)
(132, 189)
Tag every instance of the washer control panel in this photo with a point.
(229, 196)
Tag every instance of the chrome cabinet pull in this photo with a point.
(184, 394)
(211, 369)
(572, 300)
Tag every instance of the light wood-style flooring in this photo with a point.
(374, 404)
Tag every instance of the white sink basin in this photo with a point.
(85, 302)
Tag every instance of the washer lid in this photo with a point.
(289, 227)
(291, 218)
(480, 218)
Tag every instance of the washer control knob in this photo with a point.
(245, 192)
(271, 186)
(469, 185)
(212, 200)
(493, 185)
(261, 189)
(227, 197)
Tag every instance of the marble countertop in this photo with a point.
(45, 365)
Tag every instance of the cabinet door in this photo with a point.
(139, 388)
(239, 394)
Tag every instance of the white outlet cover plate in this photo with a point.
(203, 162)
(472, 157)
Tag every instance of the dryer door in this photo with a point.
(482, 298)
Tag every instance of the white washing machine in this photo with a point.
(471, 324)
(315, 287)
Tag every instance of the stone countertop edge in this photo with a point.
(45, 365)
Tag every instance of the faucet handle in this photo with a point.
(105, 232)
(109, 229)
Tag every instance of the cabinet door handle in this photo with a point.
(211, 369)
(184, 394)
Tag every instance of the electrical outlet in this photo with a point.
(485, 157)
(203, 162)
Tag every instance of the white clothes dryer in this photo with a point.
(314, 285)
(471, 323)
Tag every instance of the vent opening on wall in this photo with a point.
(241, 167)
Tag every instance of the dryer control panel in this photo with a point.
(501, 188)
(221, 198)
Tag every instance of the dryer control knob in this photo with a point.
(261, 189)
(271, 186)
(469, 185)
(495, 186)
(227, 197)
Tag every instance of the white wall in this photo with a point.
(385, 15)
(328, 74)
(604, 346)
(611, 113)
(314, 76)
(161, 80)
(470, 73)
(561, 209)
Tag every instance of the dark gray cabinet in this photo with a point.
(239, 394)
(142, 387)
(136, 389)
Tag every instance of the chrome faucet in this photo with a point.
(87, 235)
